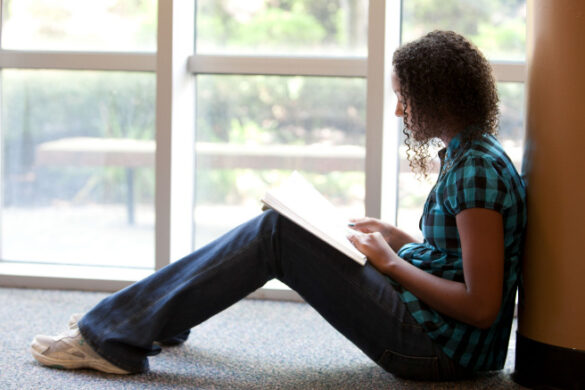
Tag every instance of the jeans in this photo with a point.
(357, 300)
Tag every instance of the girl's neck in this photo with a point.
(450, 132)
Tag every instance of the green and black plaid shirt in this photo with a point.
(479, 176)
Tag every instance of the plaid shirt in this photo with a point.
(483, 176)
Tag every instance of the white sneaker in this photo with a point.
(70, 351)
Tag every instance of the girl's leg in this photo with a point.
(361, 303)
(175, 340)
(123, 326)
(357, 300)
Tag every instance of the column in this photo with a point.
(550, 348)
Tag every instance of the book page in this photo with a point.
(310, 207)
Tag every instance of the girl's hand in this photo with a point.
(376, 249)
(395, 237)
(372, 225)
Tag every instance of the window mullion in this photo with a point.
(140, 62)
(278, 65)
(381, 124)
(175, 136)
(506, 71)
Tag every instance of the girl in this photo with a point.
(440, 309)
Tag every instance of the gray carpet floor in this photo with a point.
(252, 345)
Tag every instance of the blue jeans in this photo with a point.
(357, 300)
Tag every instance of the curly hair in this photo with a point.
(446, 85)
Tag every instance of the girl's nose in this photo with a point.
(399, 112)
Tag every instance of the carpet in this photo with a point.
(255, 344)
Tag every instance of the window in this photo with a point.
(123, 148)
(79, 25)
(77, 136)
(256, 124)
(301, 27)
(497, 27)
(62, 188)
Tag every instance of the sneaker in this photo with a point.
(70, 351)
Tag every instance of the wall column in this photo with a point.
(550, 347)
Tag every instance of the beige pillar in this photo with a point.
(551, 335)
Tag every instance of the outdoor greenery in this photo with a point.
(322, 27)
(496, 26)
(43, 105)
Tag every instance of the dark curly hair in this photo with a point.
(447, 86)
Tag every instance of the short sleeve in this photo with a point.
(476, 183)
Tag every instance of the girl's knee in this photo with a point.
(269, 220)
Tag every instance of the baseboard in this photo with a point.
(543, 366)
(277, 291)
(104, 279)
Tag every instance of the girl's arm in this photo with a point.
(477, 300)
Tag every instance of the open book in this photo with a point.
(300, 202)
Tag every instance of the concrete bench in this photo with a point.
(131, 154)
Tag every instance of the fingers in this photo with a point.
(360, 220)
(361, 238)
(355, 238)
(365, 225)
(370, 244)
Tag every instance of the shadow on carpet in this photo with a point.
(252, 345)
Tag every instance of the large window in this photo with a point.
(66, 197)
(316, 27)
(77, 135)
(133, 131)
(253, 129)
(117, 25)
(497, 27)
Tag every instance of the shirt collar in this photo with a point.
(449, 152)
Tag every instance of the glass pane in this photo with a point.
(314, 27)
(78, 167)
(497, 27)
(252, 131)
(87, 25)
(413, 191)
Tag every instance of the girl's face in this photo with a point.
(399, 111)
